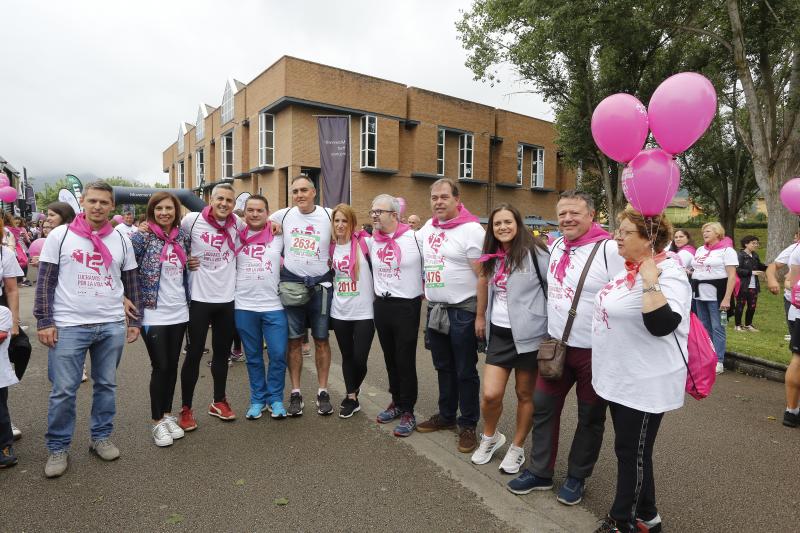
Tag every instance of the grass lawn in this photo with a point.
(770, 319)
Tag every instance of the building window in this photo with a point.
(227, 155)
(227, 104)
(181, 175)
(266, 139)
(520, 152)
(200, 125)
(465, 156)
(440, 152)
(369, 138)
(180, 140)
(537, 168)
(200, 168)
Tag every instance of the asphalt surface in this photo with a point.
(722, 464)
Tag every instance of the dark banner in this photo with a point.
(334, 159)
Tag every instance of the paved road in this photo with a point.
(721, 465)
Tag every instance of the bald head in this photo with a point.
(414, 222)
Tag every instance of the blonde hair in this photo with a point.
(716, 227)
(352, 222)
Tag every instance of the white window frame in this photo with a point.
(441, 137)
(181, 145)
(466, 156)
(226, 113)
(200, 126)
(200, 167)
(266, 154)
(537, 168)
(224, 149)
(520, 159)
(364, 150)
(181, 174)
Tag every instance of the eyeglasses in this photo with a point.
(379, 212)
(623, 234)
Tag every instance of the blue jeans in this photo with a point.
(254, 328)
(104, 342)
(455, 357)
(708, 313)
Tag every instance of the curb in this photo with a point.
(753, 366)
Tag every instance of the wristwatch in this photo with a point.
(653, 288)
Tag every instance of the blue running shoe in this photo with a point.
(277, 409)
(255, 410)
(571, 492)
(528, 482)
(406, 426)
(388, 414)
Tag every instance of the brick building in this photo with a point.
(402, 138)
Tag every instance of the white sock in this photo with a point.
(512, 447)
(320, 391)
(487, 437)
(296, 390)
(794, 411)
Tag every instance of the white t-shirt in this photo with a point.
(559, 295)
(7, 375)
(10, 267)
(127, 230)
(306, 240)
(630, 366)
(86, 292)
(794, 259)
(712, 266)
(685, 258)
(258, 271)
(449, 254)
(171, 304)
(402, 280)
(500, 299)
(215, 280)
(783, 258)
(352, 299)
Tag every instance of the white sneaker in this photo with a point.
(720, 368)
(175, 431)
(16, 432)
(787, 337)
(513, 460)
(161, 434)
(487, 447)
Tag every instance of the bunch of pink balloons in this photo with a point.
(8, 194)
(681, 109)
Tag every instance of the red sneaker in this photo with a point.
(186, 419)
(222, 410)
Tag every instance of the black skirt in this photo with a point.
(502, 352)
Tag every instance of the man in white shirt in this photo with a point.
(451, 243)
(127, 227)
(568, 257)
(306, 264)
(260, 317)
(81, 263)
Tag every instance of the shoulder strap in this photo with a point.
(124, 252)
(578, 290)
(61, 244)
(287, 214)
(542, 282)
(191, 229)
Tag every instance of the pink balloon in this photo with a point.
(651, 181)
(36, 247)
(119, 219)
(620, 126)
(4, 181)
(402, 202)
(8, 194)
(681, 109)
(790, 195)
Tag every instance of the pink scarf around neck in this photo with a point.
(264, 236)
(595, 233)
(356, 240)
(382, 237)
(500, 255)
(463, 217)
(230, 221)
(169, 239)
(81, 228)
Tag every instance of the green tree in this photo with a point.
(49, 194)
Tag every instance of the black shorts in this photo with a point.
(502, 352)
(794, 344)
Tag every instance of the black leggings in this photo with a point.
(220, 316)
(397, 324)
(355, 340)
(164, 348)
(748, 297)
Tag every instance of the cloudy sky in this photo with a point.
(99, 87)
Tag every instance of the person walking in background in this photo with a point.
(161, 254)
(640, 328)
(773, 283)
(750, 266)
(512, 317)
(683, 247)
(351, 313)
(713, 280)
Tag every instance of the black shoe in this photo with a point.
(791, 420)
(348, 408)
(296, 404)
(324, 406)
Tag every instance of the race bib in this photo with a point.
(304, 244)
(346, 287)
(434, 276)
